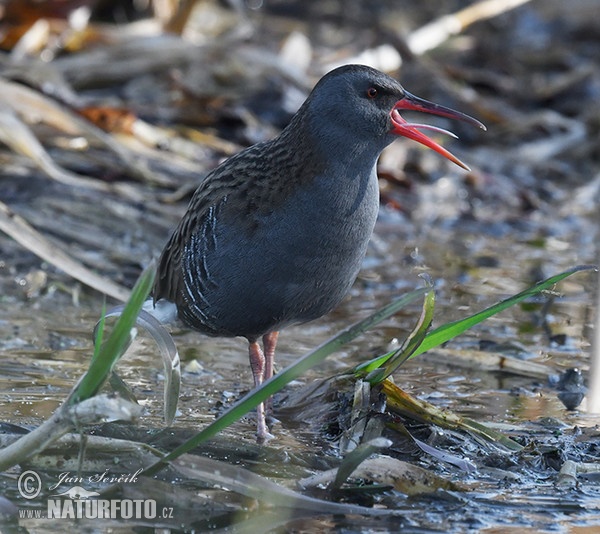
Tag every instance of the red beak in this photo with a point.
(411, 130)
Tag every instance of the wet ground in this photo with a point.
(527, 210)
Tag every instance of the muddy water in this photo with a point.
(45, 346)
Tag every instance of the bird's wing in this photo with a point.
(199, 222)
(169, 277)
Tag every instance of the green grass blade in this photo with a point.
(378, 370)
(99, 331)
(109, 352)
(450, 330)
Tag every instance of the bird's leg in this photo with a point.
(269, 343)
(258, 365)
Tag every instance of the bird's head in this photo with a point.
(356, 103)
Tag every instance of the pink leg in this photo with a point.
(269, 343)
(258, 366)
(257, 362)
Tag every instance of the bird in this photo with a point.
(276, 234)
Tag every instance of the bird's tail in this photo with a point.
(163, 310)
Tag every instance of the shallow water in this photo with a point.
(45, 343)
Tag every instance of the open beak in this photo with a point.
(411, 130)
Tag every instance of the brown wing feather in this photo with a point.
(252, 175)
(168, 284)
(234, 177)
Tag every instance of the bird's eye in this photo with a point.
(372, 92)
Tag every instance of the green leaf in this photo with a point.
(448, 331)
(379, 369)
(108, 353)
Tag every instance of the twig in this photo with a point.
(18, 136)
(66, 419)
(435, 33)
(32, 105)
(22, 232)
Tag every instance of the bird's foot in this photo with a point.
(262, 433)
(262, 430)
(263, 437)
